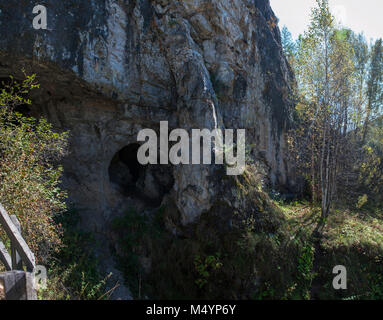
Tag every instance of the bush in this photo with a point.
(29, 170)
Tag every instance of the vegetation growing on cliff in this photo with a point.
(30, 170)
(30, 188)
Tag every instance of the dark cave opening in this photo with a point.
(125, 168)
(146, 183)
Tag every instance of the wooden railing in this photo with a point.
(16, 284)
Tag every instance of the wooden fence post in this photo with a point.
(17, 240)
(17, 263)
(17, 285)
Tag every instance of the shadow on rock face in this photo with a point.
(147, 183)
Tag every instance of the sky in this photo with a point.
(358, 15)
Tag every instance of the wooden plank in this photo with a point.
(15, 236)
(17, 263)
(15, 285)
(30, 287)
(5, 258)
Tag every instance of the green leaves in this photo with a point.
(29, 171)
(14, 93)
(205, 267)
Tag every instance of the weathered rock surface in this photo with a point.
(109, 68)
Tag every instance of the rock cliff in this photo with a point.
(109, 68)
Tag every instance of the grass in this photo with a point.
(270, 255)
(351, 237)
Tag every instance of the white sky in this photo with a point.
(358, 15)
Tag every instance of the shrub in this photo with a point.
(29, 170)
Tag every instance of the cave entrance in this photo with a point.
(125, 170)
(145, 183)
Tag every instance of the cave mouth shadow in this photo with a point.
(146, 183)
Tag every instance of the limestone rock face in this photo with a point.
(109, 68)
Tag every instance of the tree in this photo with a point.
(374, 85)
(325, 69)
(287, 43)
(361, 58)
(371, 173)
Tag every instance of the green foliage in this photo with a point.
(375, 79)
(15, 93)
(350, 238)
(30, 172)
(30, 178)
(362, 200)
(376, 286)
(288, 44)
(305, 262)
(371, 166)
(305, 270)
(73, 272)
(204, 267)
(339, 99)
